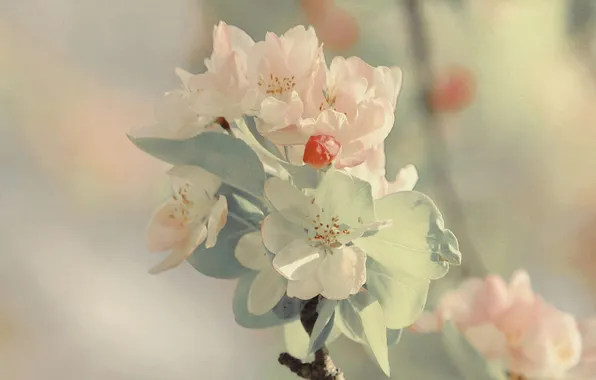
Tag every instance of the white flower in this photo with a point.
(268, 287)
(311, 236)
(192, 216)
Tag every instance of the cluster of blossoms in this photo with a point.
(517, 330)
(279, 180)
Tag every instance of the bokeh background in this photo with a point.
(76, 301)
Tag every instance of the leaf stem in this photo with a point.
(437, 148)
(322, 368)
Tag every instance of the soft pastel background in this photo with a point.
(76, 301)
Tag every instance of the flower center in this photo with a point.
(329, 101)
(326, 231)
(277, 86)
(182, 211)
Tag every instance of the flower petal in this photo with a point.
(202, 183)
(277, 232)
(250, 252)
(305, 289)
(342, 273)
(163, 231)
(217, 220)
(297, 260)
(266, 291)
(288, 200)
(182, 251)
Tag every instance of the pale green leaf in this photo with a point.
(401, 296)
(416, 242)
(323, 325)
(228, 157)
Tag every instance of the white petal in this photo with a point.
(265, 292)
(342, 273)
(406, 180)
(202, 182)
(347, 197)
(250, 252)
(288, 200)
(217, 220)
(163, 231)
(305, 289)
(297, 260)
(180, 253)
(278, 232)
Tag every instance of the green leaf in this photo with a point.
(323, 325)
(416, 242)
(302, 176)
(289, 307)
(240, 306)
(220, 261)
(367, 326)
(393, 337)
(470, 362)
(228, 157)
(401, 296)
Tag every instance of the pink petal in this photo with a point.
(164, 230)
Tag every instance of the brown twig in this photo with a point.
(437, 149)
(322, 368)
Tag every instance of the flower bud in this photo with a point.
(320, 151)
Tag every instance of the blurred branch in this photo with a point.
(322, 368)
(438, 154)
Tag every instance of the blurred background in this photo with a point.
(506, 144)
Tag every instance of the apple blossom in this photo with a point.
(192, 216)
(280, 72)
(309, 237)
(510, 325)
(220, 90)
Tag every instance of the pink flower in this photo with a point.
(351, 101)
(510, 325)
(219, 91)
(280, 72)
(192, 216)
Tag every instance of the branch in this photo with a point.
(437, 150)
(322, 368)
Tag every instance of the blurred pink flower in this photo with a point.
(192, 216)
(511, 325)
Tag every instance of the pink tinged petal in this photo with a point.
(265, 292)
(426, 323)
(277, 232)
(217, 220)
(520, 287)
(202, 183)
(290, 135)
(164, 230)
(305, 289)
(183, 75)
(342, 272)
(488, 340)
(491, 300)
(292, 203)
(277, 114)
(239, 40)
(250, 252)
(298, 260)
(457, 305)
(406, 180)
(181, 252)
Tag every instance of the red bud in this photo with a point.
(320, 151)
(454, 91)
